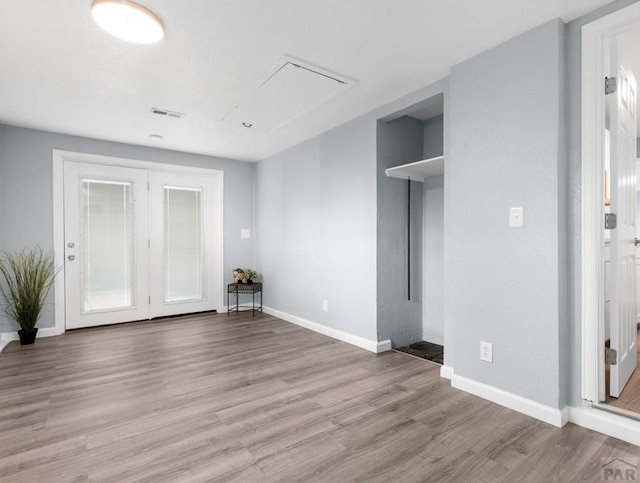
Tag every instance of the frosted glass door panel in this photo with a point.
(184, 253)
(106, 269)
(186, 242)
(106, 246)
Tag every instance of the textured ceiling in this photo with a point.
(60, 72)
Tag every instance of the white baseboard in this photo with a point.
(49, 332)
(383, 346)
(370, 345)
(554, 416)
(6, 337)
(446, 372)
(605, 422)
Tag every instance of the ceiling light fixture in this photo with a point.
(127, 21)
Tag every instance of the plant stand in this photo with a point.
(244, 288)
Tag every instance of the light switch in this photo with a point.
(516, 217)
(245, 233)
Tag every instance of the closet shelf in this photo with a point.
(418, 171)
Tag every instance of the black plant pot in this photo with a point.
(27, 336)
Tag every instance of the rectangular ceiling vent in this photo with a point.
(167, 113)
(289, 89)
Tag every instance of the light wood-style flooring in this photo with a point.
(630, 397)
(217, 398)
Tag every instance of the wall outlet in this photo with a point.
(486, 351)
(245, 233)
(325, 306)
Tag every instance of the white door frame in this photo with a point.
(58, 159)
(595, 38)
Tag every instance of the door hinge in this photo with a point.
(149, 243)
(148, 186)
(611, 356)
(610, 85)
(610, 221)
(149, 299)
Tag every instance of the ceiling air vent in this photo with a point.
(290, 88)
(167, 113)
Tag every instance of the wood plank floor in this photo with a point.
(217, 398)
(630, 397)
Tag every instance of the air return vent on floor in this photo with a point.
(167, 113)
(289, 89)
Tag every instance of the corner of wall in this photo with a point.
(399, 302)
(564, 256)
(449, 298)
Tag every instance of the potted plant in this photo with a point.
(28, 276)
(249, 275)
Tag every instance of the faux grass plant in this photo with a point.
(28, 277)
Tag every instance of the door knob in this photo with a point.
(71, 257)
(71, 244)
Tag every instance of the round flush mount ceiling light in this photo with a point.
(127, 21)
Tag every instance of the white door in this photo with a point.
(106, 260)
(637, 284)
(622, 109)
(184, 243)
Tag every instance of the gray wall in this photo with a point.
(573, 101)
(26, 192)
(433, 137)
(316, 230)
(433, 256)
(433, 237)
(340, 213)
(504, 283)
(399, 319)
(1, 191)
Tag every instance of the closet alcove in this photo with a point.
(410, 147)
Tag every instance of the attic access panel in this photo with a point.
(288, 90)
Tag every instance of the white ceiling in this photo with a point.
(428, 112)
(60, 72)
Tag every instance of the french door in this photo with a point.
(180, 244)
(139, 243)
